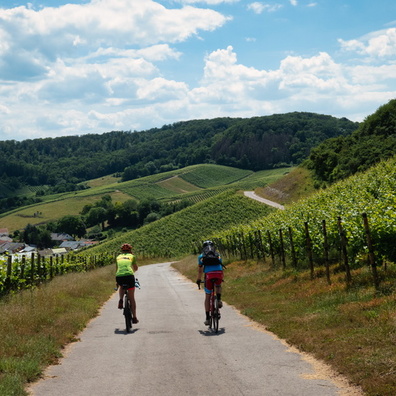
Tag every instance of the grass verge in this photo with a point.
(354, 330)
(36, 324)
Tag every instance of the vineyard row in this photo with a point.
(31, 272)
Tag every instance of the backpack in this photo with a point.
(210, 256)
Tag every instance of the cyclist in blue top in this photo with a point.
(213, 271)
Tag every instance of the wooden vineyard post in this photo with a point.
(371, 251)
(32, 269)
(309, 249)
(23, 264)
(8, 275)
(51, 269)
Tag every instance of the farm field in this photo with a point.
(195, 183)
(49, 211)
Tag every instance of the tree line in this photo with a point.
(99, 216)
(60, 164)
(340, 157)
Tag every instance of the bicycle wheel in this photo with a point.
(216, 315)
(128, 315)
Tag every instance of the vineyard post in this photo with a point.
(32, 269)
(371, 251)
(271, 249)
(309, 249)
(23, 264)
(344, 250)
(44, 267)
(326, 251)
(56, 265)
(39, 266)
(51, 270)
(293, 251)
(282, 249)
(8, 275)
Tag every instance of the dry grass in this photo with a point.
(289, 189)
(352, 330)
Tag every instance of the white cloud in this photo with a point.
(38, 38)
(379, 44)
(100, 66)
(208, 2)
(258, 7)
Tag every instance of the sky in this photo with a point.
(95, 66)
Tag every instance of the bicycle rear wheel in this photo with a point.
(128, 315)
(216, 315)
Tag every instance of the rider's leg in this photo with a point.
(207, 307)
(218, 294)
(131, 296)
(121, 294)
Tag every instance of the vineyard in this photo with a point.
(353, 222)
(35, 270)
(174, 235)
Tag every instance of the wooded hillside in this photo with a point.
(59, 164)
(372, 142)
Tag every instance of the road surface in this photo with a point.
(171, 351)
(253, 195)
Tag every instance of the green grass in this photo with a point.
(351, 330)
(37, 214)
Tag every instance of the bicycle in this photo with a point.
(127, 310)
(214, 310)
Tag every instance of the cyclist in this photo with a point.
(213, 270)
(126, 268)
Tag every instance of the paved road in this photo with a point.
(253, 195)
(171, 352)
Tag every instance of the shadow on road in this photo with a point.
(210, 332)
(122, 331)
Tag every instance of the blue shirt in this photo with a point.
(210, 268)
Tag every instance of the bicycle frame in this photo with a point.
(214, 311)
(127, 312)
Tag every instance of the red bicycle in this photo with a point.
(214, 310)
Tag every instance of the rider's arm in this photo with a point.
(200, 272)
(134, 265)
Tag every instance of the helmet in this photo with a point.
(126, 247)
(207, 243)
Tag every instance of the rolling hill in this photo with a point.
(195, 183)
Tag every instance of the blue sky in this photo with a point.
(71, 68)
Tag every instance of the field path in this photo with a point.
(253, 195)
(171, 352)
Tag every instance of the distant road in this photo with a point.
(171, 352)
(253, 195)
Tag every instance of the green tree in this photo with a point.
(72, 225)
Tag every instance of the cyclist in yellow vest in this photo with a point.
(126, 268)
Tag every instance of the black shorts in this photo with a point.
(128, 280)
